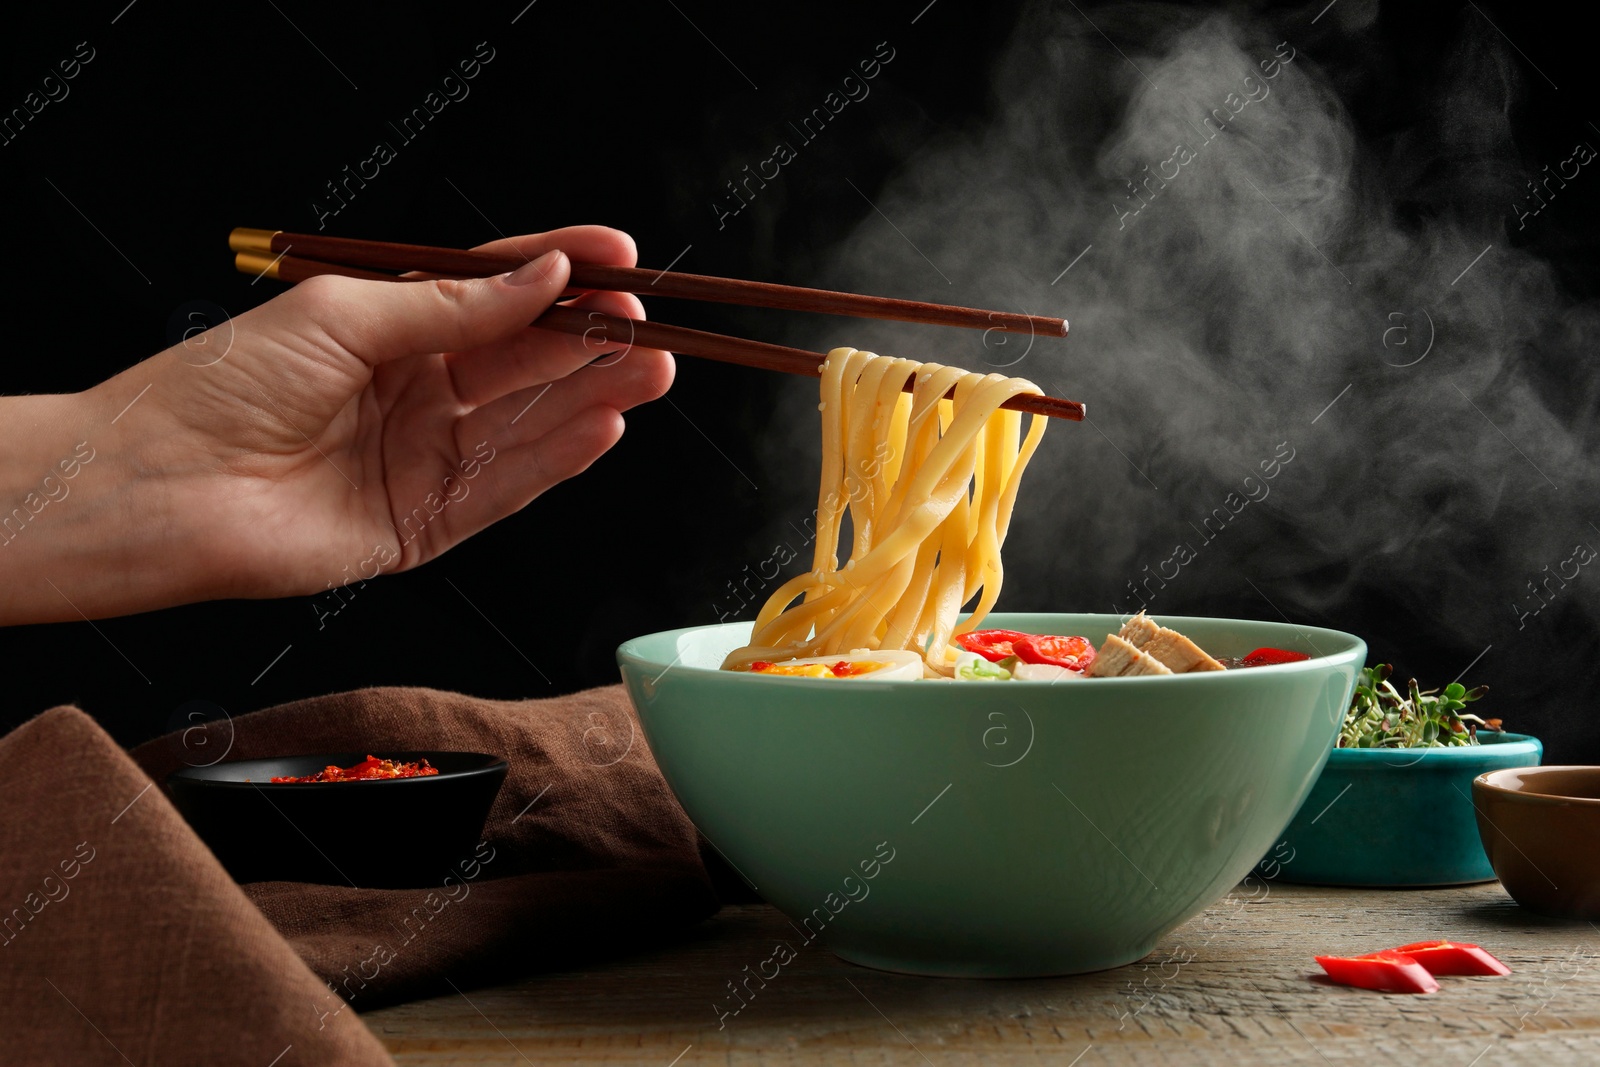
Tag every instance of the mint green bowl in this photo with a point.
(1001, 829)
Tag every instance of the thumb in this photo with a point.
(378, 321)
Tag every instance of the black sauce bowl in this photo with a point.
(387, 833)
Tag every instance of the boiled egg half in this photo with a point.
(885, 665)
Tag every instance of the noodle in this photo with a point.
(929, 484)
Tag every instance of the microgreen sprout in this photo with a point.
(1380, 717)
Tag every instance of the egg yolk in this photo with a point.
(842, 669)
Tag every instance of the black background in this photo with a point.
(193, 119)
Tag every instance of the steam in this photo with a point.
(1281, 264)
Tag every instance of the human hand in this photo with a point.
(347, 427)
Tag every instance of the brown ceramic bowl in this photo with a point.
(1541, 829)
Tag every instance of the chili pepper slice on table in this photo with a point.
(1073, 653)
(1386, 972)
(1266, 657)
(992, 645)
(1452, 957)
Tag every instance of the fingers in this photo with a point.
(533, 357)
(519, 473)
(381, 321)
(583, 244)
(640, 377)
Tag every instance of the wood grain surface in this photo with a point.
(1235, 985)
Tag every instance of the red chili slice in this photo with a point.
(1073, 653)
(370, 769)
(1386, 972)
(1452, 957)
(992, 645)
(1266, 657)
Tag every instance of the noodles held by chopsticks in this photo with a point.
(929, 484)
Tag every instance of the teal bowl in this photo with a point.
(1398, 816)
(1001, 829)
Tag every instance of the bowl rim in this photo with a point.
(194, 775)
(628, 652)
(1508, 743)
(1486, 783)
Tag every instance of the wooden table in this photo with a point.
(1232, 986)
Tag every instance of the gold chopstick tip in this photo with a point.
(244, 239)
(257, 263)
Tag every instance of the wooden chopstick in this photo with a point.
(625, 331)
(385, 255)
(622, 331)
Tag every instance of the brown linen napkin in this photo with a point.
(585, 852)
(122, 940)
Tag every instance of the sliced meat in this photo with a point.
(1119, 658)
(1179, 653)
(1139, 630)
